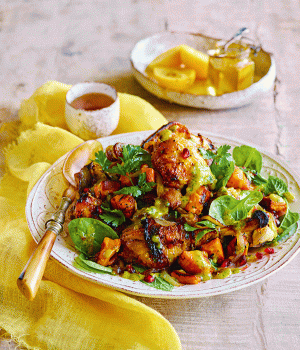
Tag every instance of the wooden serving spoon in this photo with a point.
(30, 278)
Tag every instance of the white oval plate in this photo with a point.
(147, 49)
(45, 197)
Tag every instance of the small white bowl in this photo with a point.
(92, 124)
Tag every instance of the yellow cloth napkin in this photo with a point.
(68, 312)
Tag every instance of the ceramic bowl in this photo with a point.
(149, 48)
(92, 124)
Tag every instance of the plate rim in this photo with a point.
(224, 101)
(283, 261)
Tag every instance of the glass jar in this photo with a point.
(231, 69)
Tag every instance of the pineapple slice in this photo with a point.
(174, 78)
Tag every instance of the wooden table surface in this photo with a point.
(91, 40)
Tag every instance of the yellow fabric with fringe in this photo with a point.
(68, 312)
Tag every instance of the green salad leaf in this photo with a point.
(160, 283)
(275, 185)
(206, 154)
(228, 210)
(288, 220)
(248, 157)
(88, 234)
(132, 159)
(136, 191)
(202, 233)
(222, 166)
(91, 266)
(288, 232)
(115, 217)
(205, 223)
(259, 180)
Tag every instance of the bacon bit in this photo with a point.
(225, 263)
(269, 250)
(185, 153)
(259, 255)
(149, 278)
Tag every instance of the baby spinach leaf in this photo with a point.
(289, 219)
(228, 210)
(160, 283)
(88, 234)
(81, 265)
(204, 223)
(190, 228)
(288, 232)
(248, 157)
(275, 185)
(94, 265)
(259, 180)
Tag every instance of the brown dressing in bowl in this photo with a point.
(92, 101)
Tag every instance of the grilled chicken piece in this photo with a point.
(153, 245)
(174, 154)
(182, 131)
(173, 197)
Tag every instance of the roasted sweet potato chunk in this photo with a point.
(197, 200)
(150, 173)
(195, 261)
(109, 248)
(185, 278)
(214, 248)
(238, 179)
(126, 203)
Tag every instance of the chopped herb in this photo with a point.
(137, 191)
(114, 217)
(132, 159)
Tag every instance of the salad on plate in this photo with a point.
(177, 210)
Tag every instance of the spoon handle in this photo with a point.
(236, 37)
(30, 278)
